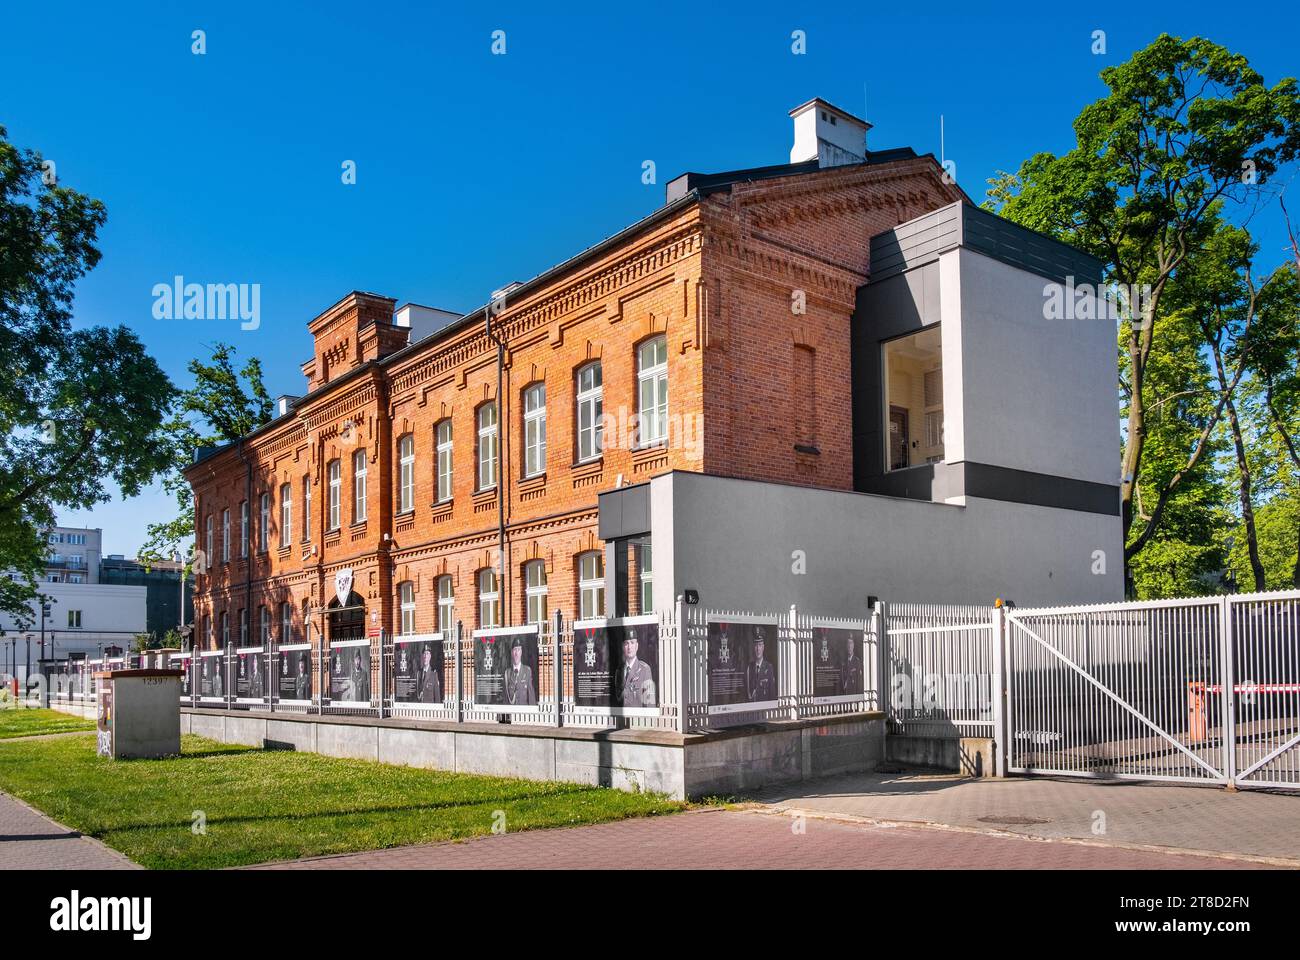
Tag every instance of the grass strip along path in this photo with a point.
(222, 805)
(22, 722)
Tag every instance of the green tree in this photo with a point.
(223, 405)
(1186, 125)
(79, 409)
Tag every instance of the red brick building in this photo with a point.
(455, 471)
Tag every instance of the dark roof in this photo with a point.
(707, 183)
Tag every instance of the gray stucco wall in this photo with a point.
(735, 542)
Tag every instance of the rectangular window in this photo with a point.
(487, 446)
(591, 585)
(444, 461)
(591, 427)
(645, 563)
(306, 509)
(804, 396)
(74, 619)
(264, 625)
(406, 474)
(913, 372)
(652, 391)
(225, 628)
(264, 524)
(225, 536)
(359, 486)
(286, 622)
(286, 514)
(243, 528)
(207, 552)
(406, 595)
(489, 600)
(535, 590)
(446, 604)
(243, 628)
(535, 430)
(335, 470)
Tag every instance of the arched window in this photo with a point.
(535, 430)
(444, 461)
(359, 486)
(487, 446)
(591, 429)
(446, 604)
(406, 474)
(591, 584)
(335, 470)
(535, 590)
(489, 599)
(652, 391)
(286, 514)
(406, 595)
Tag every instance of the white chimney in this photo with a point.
(827, 134)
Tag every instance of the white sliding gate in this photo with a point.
(1191, 690)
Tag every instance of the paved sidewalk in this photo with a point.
(1249, 823)
(756, 840)
(29, 840)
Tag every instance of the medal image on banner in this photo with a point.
(418, 665)
(838, 674)
(350, 673)
(293, 678)
(616, 666)
(506, 661)
(212, 678)
(743, 665)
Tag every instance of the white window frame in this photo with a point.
(286, 622)
(359, 511)
(306, 509)
(406, 474)
(286, 514)
(225, 535)
(652, 377)
(264, 625)
(406, 599)
(264, 520)
(591, 584)
(74, 619)
(334, 470)
(446, 604)
(645, 572)
(444, 447)
(223, 622)
(535, 591)
(591, 400)
(243, 529)
(243, 627)
(488, 447)
(489, 598)
(208, 541)
(535, 430)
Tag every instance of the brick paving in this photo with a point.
(754, 840)
(29, 840)
(1248, 823)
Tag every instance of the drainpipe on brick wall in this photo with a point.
(248, 561)
(503, 444)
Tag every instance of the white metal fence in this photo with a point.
(940, 662)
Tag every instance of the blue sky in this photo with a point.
(473, 169)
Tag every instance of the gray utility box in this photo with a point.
(139, 713)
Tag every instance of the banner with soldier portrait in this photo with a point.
(212, 675)
(837, 657)
(743, 665)
(418, 669)
(616, 666)
(249, 669)
(293, 676)
(349, 667)
(506, 663)
(184, 662)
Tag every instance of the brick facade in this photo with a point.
(748, 381)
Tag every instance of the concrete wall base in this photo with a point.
(969, 756)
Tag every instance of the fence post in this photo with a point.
(796, 673)
(883, 679)
(1227, 651)
(683, 664)
(459, 684)
(383, 674)
(998, 638)
(559, 669)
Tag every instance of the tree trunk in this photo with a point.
(1244, 494)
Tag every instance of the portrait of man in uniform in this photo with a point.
(218, 681)
(852, 676)
(635, 686)
(302, 684)
(428, 684)
(519, 688)
(360, 679)
(760, 676)
(254, 676)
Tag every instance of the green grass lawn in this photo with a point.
(264, 805)
(19, 722)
